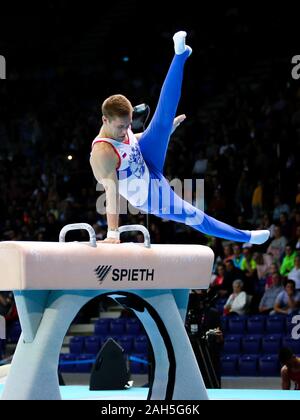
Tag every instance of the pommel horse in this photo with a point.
(51, 281)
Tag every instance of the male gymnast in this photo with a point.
(132, 164)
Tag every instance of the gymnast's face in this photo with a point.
(116, 128)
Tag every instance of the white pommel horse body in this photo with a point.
(53, 280)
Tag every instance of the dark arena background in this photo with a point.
(241, 96)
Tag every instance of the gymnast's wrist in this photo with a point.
(113, 234)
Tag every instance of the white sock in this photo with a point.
(179, 43)
(258, 237)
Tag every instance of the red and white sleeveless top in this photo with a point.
(132, 171)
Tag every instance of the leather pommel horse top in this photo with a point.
(77, 265)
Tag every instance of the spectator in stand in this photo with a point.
(277, 246)
(232, 273)
(267, 302)
(237, 302)
(288, 301)
(288, 261)
(279, 208)
(294, 274)
(249, 269)
(218, 283)
(263, 264)
(238, 256)
(274, 268)
(228, 253)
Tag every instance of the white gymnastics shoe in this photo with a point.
(179, 43)
(258, 237)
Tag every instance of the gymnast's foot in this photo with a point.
(258, 237)
(179, 43)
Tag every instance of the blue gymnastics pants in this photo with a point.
(162, 200)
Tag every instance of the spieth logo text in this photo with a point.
(123, 274)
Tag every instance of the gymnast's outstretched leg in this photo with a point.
(154, 141)
(162, 201)
(165, 203)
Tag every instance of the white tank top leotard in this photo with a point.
(132, 171)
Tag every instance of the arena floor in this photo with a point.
(80, 392)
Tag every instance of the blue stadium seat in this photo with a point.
(117, 326)
(251, 344)
(275, 324)
(293, 344)
(141, 344)
(67, 357)
(248, 365)
(133, 326)
(229, 364)
(232, 344)
(86, 367)
(102, 326)
(236, 324)
(126, 342)
(224, 324)
(92, 344)
(76, 344)
(256, 324)
(271, 344)
(268, 365)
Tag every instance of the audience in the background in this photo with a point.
(288, 301)
(248, 266)
(274, 268)
(238, 256)
(237, 303)
(267, 302)
(294, 274)
(277, 246)
(288, 261)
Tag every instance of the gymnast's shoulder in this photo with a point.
(103, 159)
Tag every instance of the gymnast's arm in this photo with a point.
(177, 121)
(104, 162)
